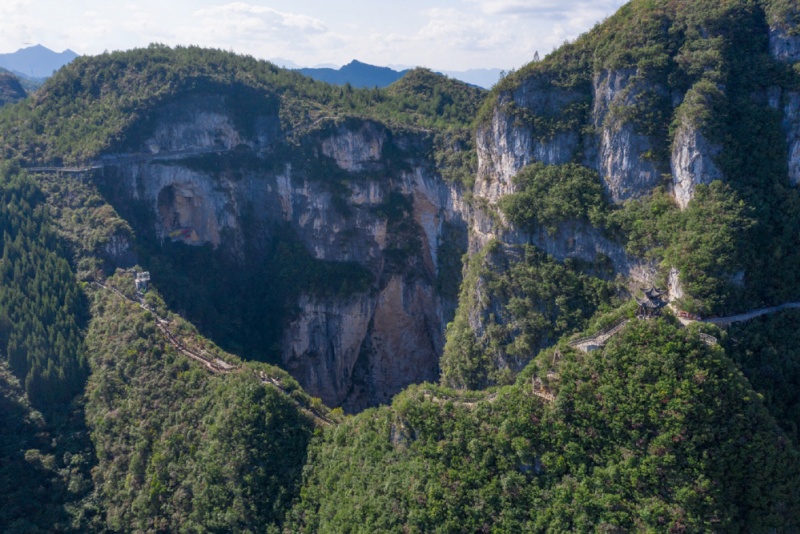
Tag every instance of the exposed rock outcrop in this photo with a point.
(356, 150)
(205, 121)
(355, 350)
(618, 151)
(508, 143)
(783, 44)
(674, 285)
(118, 250)
(788, 103)
(791, 126)
(582, 241)
(692, 162)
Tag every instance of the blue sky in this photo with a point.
(441, 34)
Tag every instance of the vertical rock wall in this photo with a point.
(619, 151)
(335, 193)
(692, 162)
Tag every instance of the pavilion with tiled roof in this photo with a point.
(652, 302)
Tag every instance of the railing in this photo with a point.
(215, 365)
(540, 391)
(604, 334)
(64, 169)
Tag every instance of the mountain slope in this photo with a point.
(236, 237)
(648, 434)
(11, 90)
(326, 229)
(685, 114)
(215, 451)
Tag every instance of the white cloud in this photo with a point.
(18, 26)
(522, 7)
(546, 8)
(248, 18)
(454, 29)
(444, 34)
(254, 29)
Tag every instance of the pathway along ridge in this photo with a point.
(752, 314)
(215, 366)
(142, 157)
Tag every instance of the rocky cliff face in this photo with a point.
(335, 190)
(791, 125)
(788, 104)
(618, 151)
(783, 44)
(692, 162)
(508, 144)
(359, 191)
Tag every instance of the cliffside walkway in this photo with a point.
(457, 401)
(140, 157)
(165, 155)
(69, 170)
(168, 155)
(752, 314)
(212, 365)
(589, 343)
(598, 340)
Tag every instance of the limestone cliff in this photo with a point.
(784, 43)
(791, 125)
(523, 128)
(692, 162)
(351, 192)
(618, 151)
(784, 46)
(508, 143)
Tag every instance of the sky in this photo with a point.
(440, 34)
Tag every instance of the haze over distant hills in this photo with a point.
(360, 74)
(485, 78)
(39, 62)
(357, 74)
(36, 61)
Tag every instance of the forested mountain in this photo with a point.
(410, 309)
(11, 90)
(355, 73)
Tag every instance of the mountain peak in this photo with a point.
(356, 73)
(36, 61)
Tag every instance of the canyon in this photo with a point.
(367, 192)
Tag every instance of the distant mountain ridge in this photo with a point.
(359, 74)
(36, 62)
